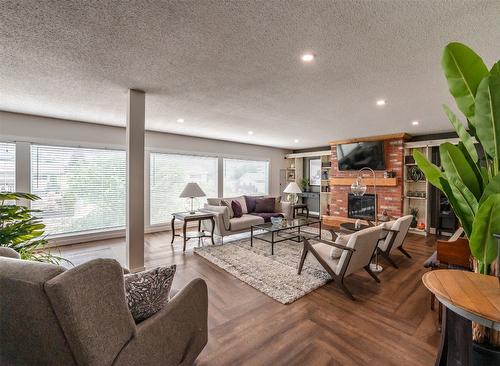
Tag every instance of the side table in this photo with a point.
(186, 217)
(466, 297)
(300, 206)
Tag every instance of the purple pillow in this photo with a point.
(237, 210)
(251, 201)
(265, 205)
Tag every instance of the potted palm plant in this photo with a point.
(471, 184)
(22, 231)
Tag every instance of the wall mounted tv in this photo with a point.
(361, 154)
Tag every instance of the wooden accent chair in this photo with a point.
(395, 236)
(357, 254)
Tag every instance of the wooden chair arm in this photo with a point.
(332, 244)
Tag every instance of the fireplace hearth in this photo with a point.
(361, 207)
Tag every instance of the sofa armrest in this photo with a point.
(221, 217)
(175, 335)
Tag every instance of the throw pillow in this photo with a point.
(251, 201)
(147, 292)
(336, 253)
(265, 205)
(228, 204)
(237, 209)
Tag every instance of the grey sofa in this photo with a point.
(53, 316)
(226, 225)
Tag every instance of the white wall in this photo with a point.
(27, 128)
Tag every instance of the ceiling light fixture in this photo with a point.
(381, 102)
(415, 123)
(250, 132)
(308, 57)
(296, 140)
(180, 120)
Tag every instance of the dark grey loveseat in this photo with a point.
(53, 316)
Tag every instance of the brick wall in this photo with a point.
(389, 198)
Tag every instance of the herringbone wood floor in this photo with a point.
(389, 324)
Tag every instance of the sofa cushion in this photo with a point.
(245, 222)
(267, 215)
(250, 203)
(265, 205)
(324, 251)
(228, 204)
(240, 199)
(237, 210)
(148, 291)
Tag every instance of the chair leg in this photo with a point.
(433, 298)
(388, 259)
(343, 288)
(401, 249)
(370, 272)
(302, 258)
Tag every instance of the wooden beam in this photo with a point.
(395, 136)
(381, 182)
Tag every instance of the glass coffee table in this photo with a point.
(287, 230)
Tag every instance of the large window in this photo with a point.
(245, 177)
(7, 167)
(169, 173)
(80, 189)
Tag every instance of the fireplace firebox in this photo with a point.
(361, 207)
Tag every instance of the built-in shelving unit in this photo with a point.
(324, 195)
(416, 188)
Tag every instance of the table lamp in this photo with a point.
(192, 191)
(292, 189)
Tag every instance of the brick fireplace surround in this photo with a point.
(389, 198)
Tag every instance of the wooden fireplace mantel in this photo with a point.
(380, 182)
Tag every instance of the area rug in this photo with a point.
(274, 275)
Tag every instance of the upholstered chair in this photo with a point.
(394, 238)
(53, 316)
(355, 255)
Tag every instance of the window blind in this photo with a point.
(80, 189)
(169, 173)
(249, 177)
(7, 167)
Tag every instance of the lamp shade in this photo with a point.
(192, 190)
(292, 187)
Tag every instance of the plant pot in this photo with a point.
(485, 354)
(413, 224)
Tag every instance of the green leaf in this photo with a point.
(462, 133)
(482, 243)
(464, 70)
(487, 118)
(461, 192)
(474, 165)
(456, 166)
(431, 171)
(493, 187)
(495, 70)
(460, 206)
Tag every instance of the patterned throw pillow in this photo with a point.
(147, 292)
(336, 253)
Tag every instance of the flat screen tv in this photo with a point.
(361, 154)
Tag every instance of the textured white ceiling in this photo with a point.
(227, 67)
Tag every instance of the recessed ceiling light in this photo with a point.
(308, 57)
(250, 132)
(381, 102)
(296, 140)
(415, 123)
(180, 120)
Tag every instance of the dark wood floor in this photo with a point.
(389, 324)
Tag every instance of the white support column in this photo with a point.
(135, 180)
(220, 177)
(23, 169)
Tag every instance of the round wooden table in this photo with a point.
(349, 226)
(466, 297)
